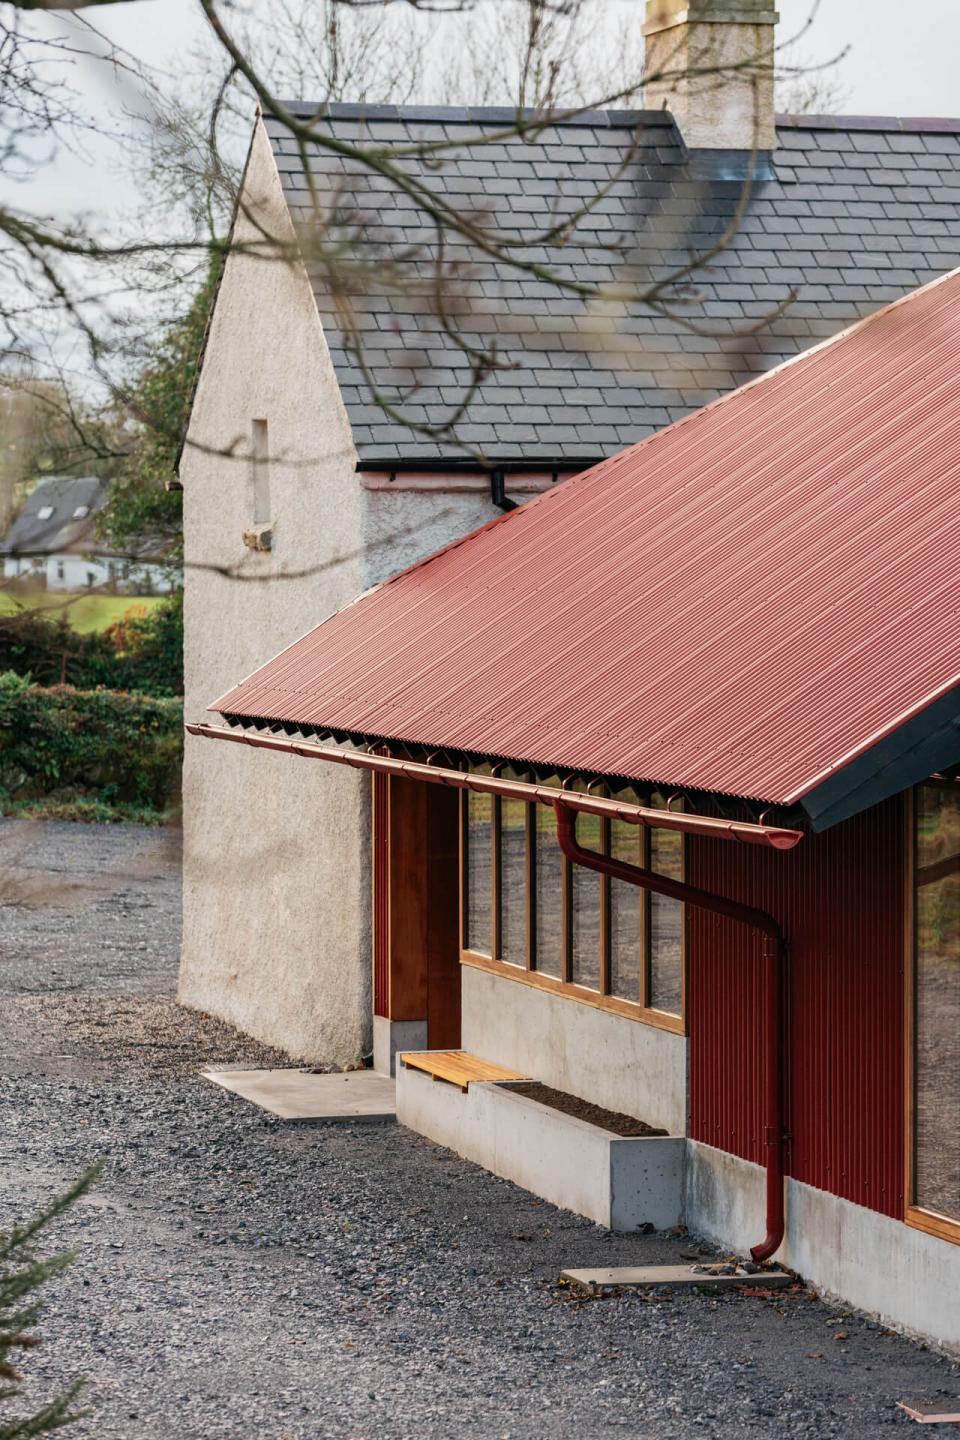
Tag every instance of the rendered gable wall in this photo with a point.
(277, 898)
(276, 909)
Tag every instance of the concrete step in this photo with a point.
(301, 1098)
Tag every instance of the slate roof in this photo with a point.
(60, 533)
(860, 211)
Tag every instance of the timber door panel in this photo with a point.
(415, 906)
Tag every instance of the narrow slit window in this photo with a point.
(260, 472)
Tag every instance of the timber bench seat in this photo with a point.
(457, 1067)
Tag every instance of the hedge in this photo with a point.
(142, 653)
(94, 750)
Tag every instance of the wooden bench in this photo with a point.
(456, 1067)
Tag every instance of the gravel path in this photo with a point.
(236, 1278)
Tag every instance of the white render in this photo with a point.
(623, 1065)
(75, 573)
(622, 1183)
(711, 64)
(908, 1279)
(276, 934)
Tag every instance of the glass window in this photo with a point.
(568, 923)
(549, 903)
(513, 881)
(626, 903)
(585, 898)
(479, 873)
(666, 925)
(937, 1001)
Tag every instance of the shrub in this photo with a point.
(140, 652)
(63, 745)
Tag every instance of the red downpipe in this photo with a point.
(774, 953)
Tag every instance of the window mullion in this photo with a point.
(531, 885)
(495, 855)
(566, 921)
(645, 922)
(605, 913)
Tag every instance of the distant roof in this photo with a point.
(34, 532)
(861, 211)
(760, 600)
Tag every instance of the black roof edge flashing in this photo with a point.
(470, 465)
(928, 742)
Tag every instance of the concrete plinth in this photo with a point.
(622, 1183)
(390, 1037)
(297, 1097)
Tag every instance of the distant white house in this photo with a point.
(53, 541)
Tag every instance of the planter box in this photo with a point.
(617, 1182)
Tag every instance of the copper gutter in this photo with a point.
(774, 953)
(707, 825)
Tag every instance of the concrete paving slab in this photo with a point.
(641, 1277)
(300, 1098)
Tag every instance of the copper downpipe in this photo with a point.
(774, 953)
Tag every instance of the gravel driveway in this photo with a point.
(237, 1279)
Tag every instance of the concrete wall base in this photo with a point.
(621, 1064)
(904, 1277)
(617, 1182)
(391, 1036)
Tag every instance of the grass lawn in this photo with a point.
(83, 612)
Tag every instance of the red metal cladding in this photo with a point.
(839, 897)
(381, 896)
(740, 603)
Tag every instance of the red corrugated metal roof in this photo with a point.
(740, 603)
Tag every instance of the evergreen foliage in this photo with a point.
(141, 511)
(140, 652)
(62, 745)
(22, 1274)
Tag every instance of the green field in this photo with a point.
(83, 612)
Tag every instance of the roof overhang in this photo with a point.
(922, 745)
(773, 837)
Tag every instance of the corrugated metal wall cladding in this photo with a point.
(732, 605)
(839, 897)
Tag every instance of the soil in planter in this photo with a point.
(624, 1125)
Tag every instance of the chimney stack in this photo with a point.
(711, 64)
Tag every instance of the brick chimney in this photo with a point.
(711, 63)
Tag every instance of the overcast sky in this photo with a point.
(900, 59)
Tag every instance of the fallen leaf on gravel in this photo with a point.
(841, 1335)
(759, 1292)
(814, 1354)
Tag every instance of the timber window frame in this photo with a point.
(918, 1216)
(562, 982)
